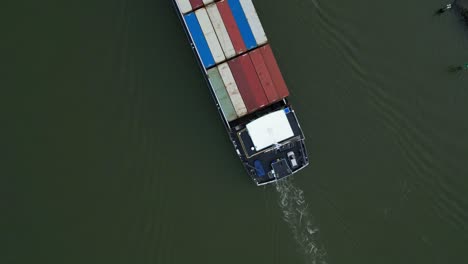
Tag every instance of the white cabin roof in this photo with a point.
(269, 129)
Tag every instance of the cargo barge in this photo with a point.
(246, 83)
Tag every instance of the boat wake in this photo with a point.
(301, 223)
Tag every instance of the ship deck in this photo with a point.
(274, 159)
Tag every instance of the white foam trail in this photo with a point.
(296, 214)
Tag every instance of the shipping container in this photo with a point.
(221, 32)
(221, 94)
(231, 26)
(199, 40)
(210, 35)
(196, 4)
(264, 75)
(248, 83)
(242, 24)
(184, 6)
(274, 71)
(232, 89)
(254, 21)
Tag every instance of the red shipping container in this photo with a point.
(196, 4)
(264, 75)
(231, 26)
(248, 83)
(275, 72)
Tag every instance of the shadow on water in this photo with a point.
(295, 212)
(458, 68)
(460, 7)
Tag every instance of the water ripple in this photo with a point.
(295, 212)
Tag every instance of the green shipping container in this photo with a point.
(221, 94)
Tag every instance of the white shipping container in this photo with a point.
(231, 88)
(207, 1)
(221, 32)
(210, 35)
(184, 6)
(254, 21)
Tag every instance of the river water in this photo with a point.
(113, 152)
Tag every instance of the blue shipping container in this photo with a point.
(199, 40)
(243, 24)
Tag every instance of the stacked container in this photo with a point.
(234, 50)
